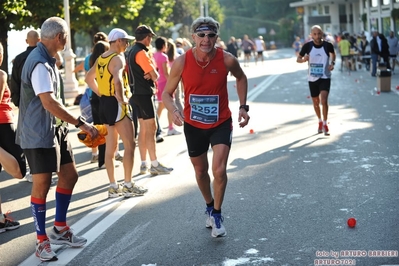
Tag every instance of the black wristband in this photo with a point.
(81, 120)
(245, 107)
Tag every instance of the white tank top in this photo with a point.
(318, 64)
(259, 45)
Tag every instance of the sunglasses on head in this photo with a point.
(202, 35)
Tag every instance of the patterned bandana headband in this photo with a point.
(206, 27)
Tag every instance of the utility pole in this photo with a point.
(204, 8)
(70, 82)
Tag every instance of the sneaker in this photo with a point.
(44, 252)
(9, 223)
(160, 170)
(116, 165)
(94, 159)
(320, 130)
(325, 130)
(28, 177)
(208, 213)
(119, 157)
(135, 190)
(159, 139)
(66, 237)
(173, 131)
(114, 192)
(217, 226)
(143, 169)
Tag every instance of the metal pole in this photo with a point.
(70, 82)
(201, 8)
(206, 8)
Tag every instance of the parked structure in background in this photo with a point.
(352, 16)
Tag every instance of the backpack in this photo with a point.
(311, 44)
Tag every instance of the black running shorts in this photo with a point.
(198, 140)
(49, 160)
(319, 85)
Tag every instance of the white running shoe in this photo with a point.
(173, 131)
(217, 226)
(66, 237)
(44, 252)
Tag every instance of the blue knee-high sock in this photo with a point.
(38, 207)
(62, 199)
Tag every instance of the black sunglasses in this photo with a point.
(202, 35)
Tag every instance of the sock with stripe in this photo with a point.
(38, 207)
(62, 199)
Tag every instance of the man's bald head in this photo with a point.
(32, 38)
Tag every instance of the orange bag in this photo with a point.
(92, 143)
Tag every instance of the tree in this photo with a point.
(11, 11)
(246, 16)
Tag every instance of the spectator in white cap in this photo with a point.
(108, 79)
(118, 33)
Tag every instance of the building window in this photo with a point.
(326, 10)
(386, 2)
(314, 11)
(374, 3)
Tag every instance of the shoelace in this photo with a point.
(8, 217)
(218, 219)
(47, 246)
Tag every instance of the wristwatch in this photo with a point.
(245, 107)
(333, 63)
(81, 120)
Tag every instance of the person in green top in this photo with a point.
(344, 49)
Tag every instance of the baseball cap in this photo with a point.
(117, 33)
(144, 29)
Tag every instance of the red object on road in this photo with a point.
(351, 222)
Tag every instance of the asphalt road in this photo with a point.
(289, 195)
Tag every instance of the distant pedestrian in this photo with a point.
(320, 56)
(42, 133)
(248, 47)
(232, 47)
(344, 49)
(393, 48)
(32, 38)
(260, 48)
(297, 45)
(379, 49)
(172, 55)
(162, 61)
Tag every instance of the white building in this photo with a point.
(353, 16)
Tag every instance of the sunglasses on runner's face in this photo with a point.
(202, 35)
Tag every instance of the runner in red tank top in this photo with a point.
(206, 115)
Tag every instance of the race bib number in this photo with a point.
(316, 70)
(204, 108)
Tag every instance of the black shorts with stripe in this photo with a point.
(112, 111)
(48, 160)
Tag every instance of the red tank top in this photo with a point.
(6, 114)
(206, 103)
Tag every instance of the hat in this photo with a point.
(143, 29)
(179, 40)
(117, 33)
